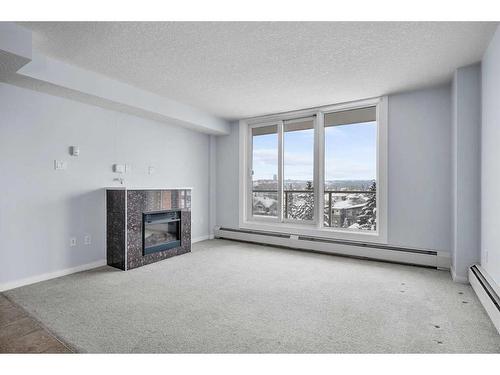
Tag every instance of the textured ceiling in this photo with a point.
(237, 70)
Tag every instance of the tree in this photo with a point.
(368, 218)
(301, 205)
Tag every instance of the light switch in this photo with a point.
(151, 170)
(118, 168)
(60, 165)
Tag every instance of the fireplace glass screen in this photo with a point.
(161, 231)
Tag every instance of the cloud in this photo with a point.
(345, 169)
(270, 156)
(299, 166)
(265, 156)
(295, 158)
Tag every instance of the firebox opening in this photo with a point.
(160, 231)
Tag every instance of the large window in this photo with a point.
(351, 169)
(317, 170)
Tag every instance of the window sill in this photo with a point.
(312, 230)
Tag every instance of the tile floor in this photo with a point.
(19, 333)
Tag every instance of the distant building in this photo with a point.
(346, 210)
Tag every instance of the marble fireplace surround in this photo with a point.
(124, 209)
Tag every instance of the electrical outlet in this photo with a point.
(87, 240)
(151, 170)
(72, 241)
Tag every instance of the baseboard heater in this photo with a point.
(365, 250)
(487, 292)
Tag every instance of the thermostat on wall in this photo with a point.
(74, 150)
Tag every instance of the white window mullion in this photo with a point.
(249, 174)
(280, 171)
(319, 170)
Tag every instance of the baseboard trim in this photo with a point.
(201, 238)
(434, 259)
(67, 271)
(50, 275)
(487, 293)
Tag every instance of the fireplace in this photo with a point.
(144, 226)
(161, 230)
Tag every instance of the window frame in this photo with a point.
(249, 182)
(312, 222)
(314, 227)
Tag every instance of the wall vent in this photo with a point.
(487, 292)
(365, 250)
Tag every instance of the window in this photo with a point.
(298, 169)
(350, 186)
(265, 171)
(319, 171)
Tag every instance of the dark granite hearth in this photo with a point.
(125, 210)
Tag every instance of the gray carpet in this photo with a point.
(233, 297)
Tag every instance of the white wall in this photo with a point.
(466, 170)
(419, 212)
(419, 169)
(40, 208)
(490, 160)
(227, 183)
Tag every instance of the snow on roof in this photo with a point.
(342, 205)
(265, 201)
(352, 201)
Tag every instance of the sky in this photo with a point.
(350, 153)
